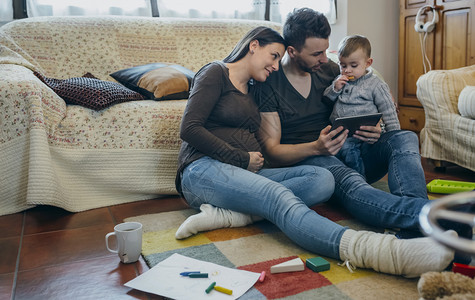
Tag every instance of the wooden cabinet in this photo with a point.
(411, 118)
(450, 45)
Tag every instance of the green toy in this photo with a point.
(449, 186)
(317, 264)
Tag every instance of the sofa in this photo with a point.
(448, 97)
(78, 158)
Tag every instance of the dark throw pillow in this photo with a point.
(157, 81)
(89, 91)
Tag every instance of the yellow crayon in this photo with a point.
(223, 290)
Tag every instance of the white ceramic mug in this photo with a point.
(129, 241)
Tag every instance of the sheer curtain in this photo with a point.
(6, 10)
(279, 9)
(38, 8)
(242, 9)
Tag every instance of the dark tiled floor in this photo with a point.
(48, 253)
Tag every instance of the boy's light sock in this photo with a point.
(385, 253)
(212, 217)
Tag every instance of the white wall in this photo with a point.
(378, 20)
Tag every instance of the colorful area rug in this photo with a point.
(259, 246)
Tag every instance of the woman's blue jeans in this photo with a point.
(397, 154)
(281, 195)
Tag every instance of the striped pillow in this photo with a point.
(466, 104)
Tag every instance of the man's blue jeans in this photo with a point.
(395, 153)
(281, 195)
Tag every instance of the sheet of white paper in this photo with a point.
(164, 279)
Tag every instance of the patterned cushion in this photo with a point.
(158, 81)
(89, 91)
(466, 103)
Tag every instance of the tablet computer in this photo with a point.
(353, 123)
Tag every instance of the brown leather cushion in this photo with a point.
(157, 81)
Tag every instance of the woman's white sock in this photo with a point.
(388, 254)
(212, 217)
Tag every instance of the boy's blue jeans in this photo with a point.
(350, 154)
(281, 195)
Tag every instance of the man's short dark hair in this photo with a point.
(303, 23)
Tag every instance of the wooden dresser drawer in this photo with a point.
(411, 118)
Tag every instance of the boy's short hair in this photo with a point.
(352, 43)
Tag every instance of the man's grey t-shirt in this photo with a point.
(301, 118)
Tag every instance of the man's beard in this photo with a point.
(304, 67)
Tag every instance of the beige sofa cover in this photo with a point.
(447, 136)
(76, 158)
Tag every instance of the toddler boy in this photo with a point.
(357, 91)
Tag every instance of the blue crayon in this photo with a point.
(188, 273)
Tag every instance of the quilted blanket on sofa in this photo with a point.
(77, 158)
